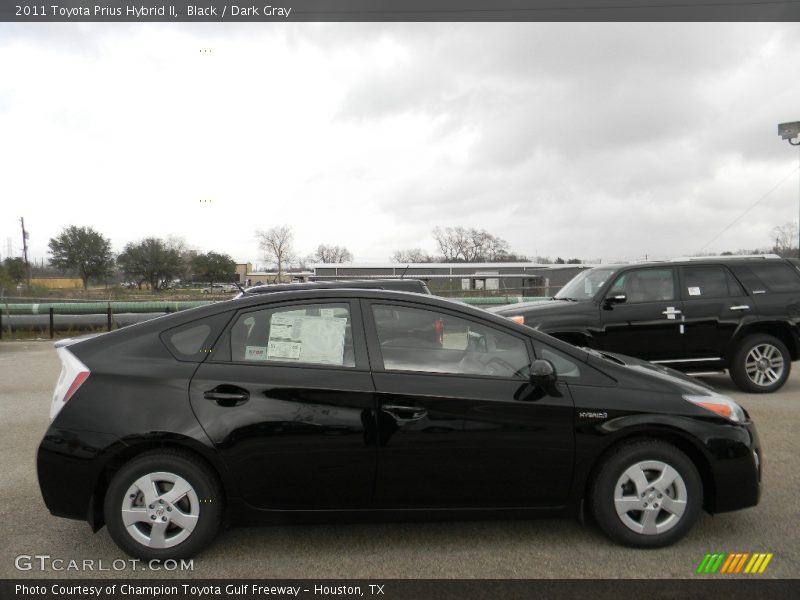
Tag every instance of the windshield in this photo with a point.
(584, 285)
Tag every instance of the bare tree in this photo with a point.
(332, 254)
(276, 244)
(785, 240)
(459, 244)
(412, 255)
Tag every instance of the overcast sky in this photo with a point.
(610, 141)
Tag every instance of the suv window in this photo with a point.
(709, 282)
(645, 285)
(310, 334)
(585, 284)
(414, 339)
(777, 276)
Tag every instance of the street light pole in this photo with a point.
(791, 133)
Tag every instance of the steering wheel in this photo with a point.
(505, 365)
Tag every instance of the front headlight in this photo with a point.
(718, 404)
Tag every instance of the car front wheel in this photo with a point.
(647, 494)
(760, 364)
(162, 505)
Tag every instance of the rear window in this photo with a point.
(777, 276)
(193, 341)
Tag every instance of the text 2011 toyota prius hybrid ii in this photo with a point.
(343, 401)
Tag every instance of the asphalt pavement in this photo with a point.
(546, 548)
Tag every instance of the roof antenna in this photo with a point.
(404, 271)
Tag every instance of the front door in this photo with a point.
(287, 399)
(647, 324)
(459, 425)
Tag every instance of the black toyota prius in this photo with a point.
(343, 402)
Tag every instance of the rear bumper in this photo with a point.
(68, 466)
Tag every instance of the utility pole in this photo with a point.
(25, 251)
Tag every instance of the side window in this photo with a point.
(309, 334)
(414, 339)
(777, 276)
(709, 282)
(645, 285)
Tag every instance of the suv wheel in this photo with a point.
(163, 504)
(760, 364)
(647, 494)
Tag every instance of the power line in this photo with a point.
(756, 203)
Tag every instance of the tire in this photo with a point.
(634, 469)
(185, 524)
(761, 364)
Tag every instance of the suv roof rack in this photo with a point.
(723, 256)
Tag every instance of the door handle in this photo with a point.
(740, 307)
(405, 414)
(227, 395)
(671, 311)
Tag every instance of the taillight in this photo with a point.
(439, 329)
(73, 374)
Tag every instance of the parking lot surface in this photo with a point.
(552, 548)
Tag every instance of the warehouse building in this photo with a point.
(455, 279)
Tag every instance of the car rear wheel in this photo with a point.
(647, 494)
(760, 364)
(163, 504)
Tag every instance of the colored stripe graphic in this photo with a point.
(734, 563)
(765, 563)
(727, 564)
(711, 563)
(740, 564)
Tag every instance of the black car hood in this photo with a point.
(538, 306)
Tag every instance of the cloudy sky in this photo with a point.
(610, 141)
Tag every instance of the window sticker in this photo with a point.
(283, 350)
(694, 291)
(307, 339)
(255, 353)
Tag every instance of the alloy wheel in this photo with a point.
(764, 364)
(160, 510)
(650, 497)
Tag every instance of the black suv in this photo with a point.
(696, 315)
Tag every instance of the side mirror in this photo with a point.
(543, 373)
(616, 299)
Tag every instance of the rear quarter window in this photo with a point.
(194, 341)
(777, 276)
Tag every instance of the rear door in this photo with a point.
(459, 425)
(648, 323)
(714, 304)
(287, 398)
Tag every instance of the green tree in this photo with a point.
(213, 266)
(15, 269)
(152, 261)
(84, 250)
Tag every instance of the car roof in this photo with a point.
(699, 260)
(406, 284)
